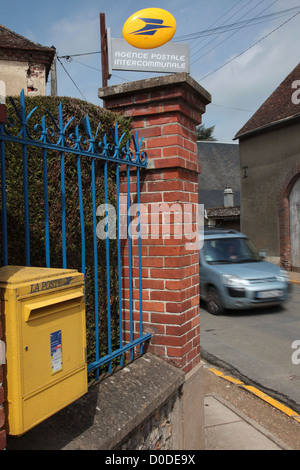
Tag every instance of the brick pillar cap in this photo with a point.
(153, 83)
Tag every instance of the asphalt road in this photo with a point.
(257, 346)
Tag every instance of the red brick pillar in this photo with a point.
(166, 110)
(3, 119)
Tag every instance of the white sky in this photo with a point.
(237, 89)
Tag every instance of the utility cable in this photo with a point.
(237, 25)
(215, 22)
(77, 55)
(214, 47)
(125, 80)
(230, 107)
(250, 47)
(71, 79)
(226, 39)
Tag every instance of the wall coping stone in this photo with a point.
(112, 408)
(152, 83)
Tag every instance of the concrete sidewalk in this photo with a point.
(226, 428)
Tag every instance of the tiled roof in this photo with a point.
(10, 39)
(278, 108)
(221, 212)
(13, 46)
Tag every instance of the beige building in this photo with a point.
(24, 64)
(270, 174)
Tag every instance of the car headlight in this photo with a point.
(283, 276)
(234, 281)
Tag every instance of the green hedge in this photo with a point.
(15, 205)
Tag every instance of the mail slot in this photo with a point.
(43, 316)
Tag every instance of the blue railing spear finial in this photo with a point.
(114, 133)
(141, 157)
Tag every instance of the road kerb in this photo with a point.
(271, 401)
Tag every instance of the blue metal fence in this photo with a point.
(110, 152)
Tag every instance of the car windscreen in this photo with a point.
(230, 250)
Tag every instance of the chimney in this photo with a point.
(228, 197)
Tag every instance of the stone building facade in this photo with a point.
(24, 64)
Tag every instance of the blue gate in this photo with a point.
(56, 142)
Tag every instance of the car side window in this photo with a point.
(210, 251)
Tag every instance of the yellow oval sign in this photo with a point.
(149, 28)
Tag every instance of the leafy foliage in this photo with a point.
(205, 133)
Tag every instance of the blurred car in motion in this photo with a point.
(233, 275)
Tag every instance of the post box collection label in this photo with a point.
(56, 351)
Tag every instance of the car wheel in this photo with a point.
(213, 302)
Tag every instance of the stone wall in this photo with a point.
(19, 75)
(157, 432)
(148, 405)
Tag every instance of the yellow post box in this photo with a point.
(43, 315)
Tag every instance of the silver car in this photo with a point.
(233, 275)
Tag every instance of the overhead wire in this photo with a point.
(232, 34)
(228, 27)
(89, 66)
(68, 56)
(71, 79)
(250, 47)
(125, 80)
(99, 70)
(230, 107)
(209, 42)
(215, 22)
(203, 62)
(225, 28)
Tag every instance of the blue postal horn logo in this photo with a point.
(149, 28)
